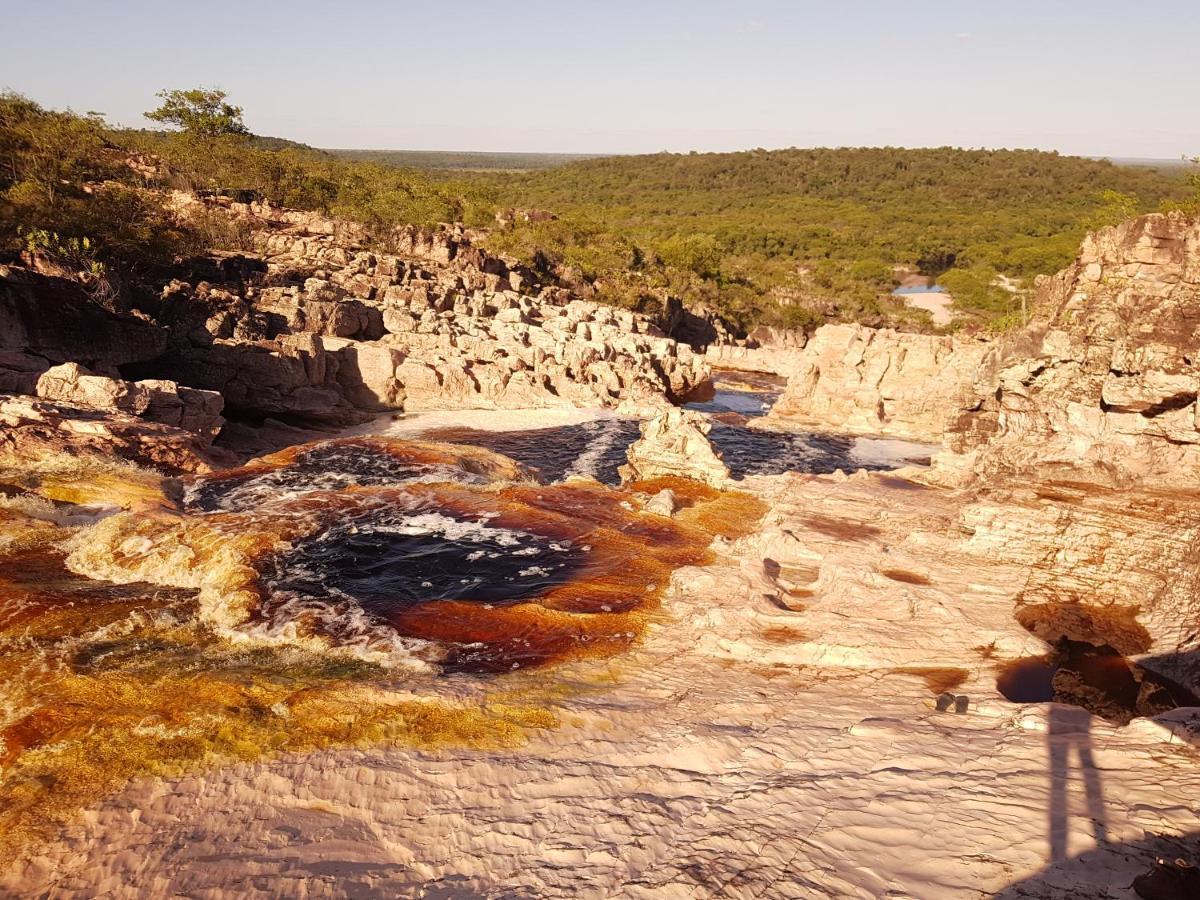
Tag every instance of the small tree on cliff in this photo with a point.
(199, 111)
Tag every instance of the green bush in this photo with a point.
(976, 290)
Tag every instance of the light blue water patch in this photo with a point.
(920, 289)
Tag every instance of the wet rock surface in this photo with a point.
(744, 694)
(34, 430)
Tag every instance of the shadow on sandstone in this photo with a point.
(1124, 869)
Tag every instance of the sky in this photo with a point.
(1089, 78)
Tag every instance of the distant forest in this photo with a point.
(463, 160)
(798, 236)
(787, 237)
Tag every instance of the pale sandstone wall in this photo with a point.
(436, 324)
(1104, 380)
(862, 380)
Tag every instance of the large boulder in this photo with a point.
(155, 400)
(675, 444)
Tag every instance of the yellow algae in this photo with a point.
(133, 645)
(99, 732)
(89, 481)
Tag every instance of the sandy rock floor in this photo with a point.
(765, 741)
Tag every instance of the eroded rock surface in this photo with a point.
(775, 350)
(675, 444)
(46, 320)
(435, 325)
(1104, 380)
(863, 380)
(33, 430)
(153, 400)
(313, 329)
(776, 732)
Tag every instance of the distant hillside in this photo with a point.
(792, 237)
(463, 160)
(824, 229)
(1179, 163)
(257, 141)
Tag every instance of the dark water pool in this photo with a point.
(390, 557)
(748, 394)
(323, 467)
(1096, 678)
(594, 448)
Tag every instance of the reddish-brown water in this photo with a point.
(1097, 678)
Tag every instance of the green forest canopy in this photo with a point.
(783, 237)
(827, 226)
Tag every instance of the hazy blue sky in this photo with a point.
(1096, 77)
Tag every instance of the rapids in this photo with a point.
(596, 448)
(340, 547)
(356, 590)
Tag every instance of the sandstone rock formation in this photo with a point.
(46, 320)
(1104, 380)
(675, 444)
(1075, 438)
(314, 329)
(331, 327)
(153, 400)
(777, 724)
(862, 380)
(765, 349)
(33, 430)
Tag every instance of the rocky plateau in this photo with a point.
(974, 678)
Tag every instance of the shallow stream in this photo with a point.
(597, 447)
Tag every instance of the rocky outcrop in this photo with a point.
(765, 349)
(1104, 380)
(45, 320)
(862, 380)
(33, 431)
(331, 327)
(675, 444)
(1075, 439)
(164, 402)
(315, 329)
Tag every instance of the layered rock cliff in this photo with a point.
(1103, 382)
(1072, 443)
(325, 324)
(309, 326)
(860, 380)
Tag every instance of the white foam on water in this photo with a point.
(607, 432)
(415, 424)
(272, 487)
(435, 524)
(336, 620)
(891, 452)
(337, 624)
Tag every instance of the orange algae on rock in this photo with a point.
(138, 649)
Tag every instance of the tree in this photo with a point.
(199, 111)
(1113, 209)
(696, 253)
